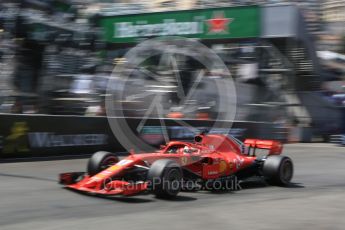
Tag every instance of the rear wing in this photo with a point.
(274, 147)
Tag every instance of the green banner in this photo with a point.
(219, 23)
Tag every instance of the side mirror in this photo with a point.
(198, 138)
(162, 146)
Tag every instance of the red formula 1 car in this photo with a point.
(212, 161)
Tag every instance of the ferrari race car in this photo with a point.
(212, 161)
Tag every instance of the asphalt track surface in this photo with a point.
(30, 198)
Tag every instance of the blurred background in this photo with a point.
(287, 58)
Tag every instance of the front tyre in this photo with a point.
(278, 170)
(100, 161)
(164, 178)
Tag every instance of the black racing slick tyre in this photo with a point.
(278, 170)
(165, 178)
(99, 161)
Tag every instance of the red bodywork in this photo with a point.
(213, 156)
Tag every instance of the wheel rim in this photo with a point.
(173, 178)
(286, 171)
(107, 162)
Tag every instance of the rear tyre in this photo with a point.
(278, 170)
(100, 161)
(165, 178)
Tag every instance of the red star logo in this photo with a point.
(218, 23)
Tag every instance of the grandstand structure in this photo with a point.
(272, 42)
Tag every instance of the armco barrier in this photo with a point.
(47, 135)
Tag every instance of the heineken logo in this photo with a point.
(168, 27)
(217, 24)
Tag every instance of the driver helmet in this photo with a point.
(186, 150)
